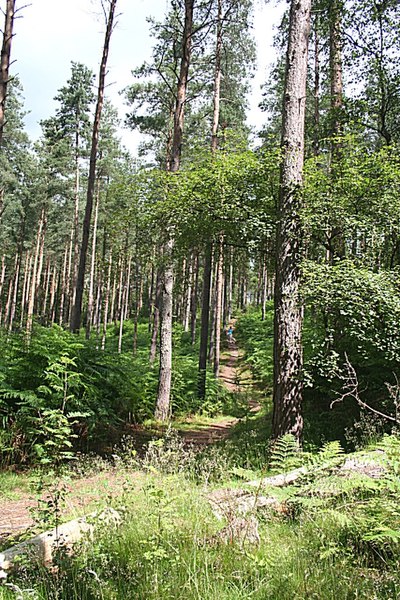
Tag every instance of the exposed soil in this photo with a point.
(16, 515)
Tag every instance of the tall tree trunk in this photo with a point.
(47, 278)
(230, 290)
(106, 302)
(5, 61)
(317, 78)
(193, 300)
(76, 215)
(35, 271)
(92, 265)
(288, 356)
(188, 295)
(64, 284)
(69, 283)
(14, 291)
(162, 411)
(53, 291)
(25, 286)
(264, 291)
(218, 305)
(156, 320)
(336, 63)
(113, 295)
(205, 317)
(124, 304)
(2, 279)
(77, 308)
(337, 245)
(213, 303)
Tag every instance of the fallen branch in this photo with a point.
(42, 547)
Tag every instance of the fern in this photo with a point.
(330, 451)
(285, 454)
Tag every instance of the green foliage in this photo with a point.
(340, 542)
(256, 337)
(285, 454)
(59, 392)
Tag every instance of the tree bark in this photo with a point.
(53, 291)
(35, 272)
(124, 305)
(63, 287)
(162, 411)
(205, 316)
(156, 320)
(14, 291)
(218, 305)
(5, 61)
(77, 308)
(2, 279)
(193, 299)
(25, 285)
(336, 63)
(106, 302)
(288, 355)
(92, 265)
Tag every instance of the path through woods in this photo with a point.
(16, 515)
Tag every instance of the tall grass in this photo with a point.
(322, 544)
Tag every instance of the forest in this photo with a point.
(200, 343)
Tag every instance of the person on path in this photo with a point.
(229, 334)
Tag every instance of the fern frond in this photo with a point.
(285, 454)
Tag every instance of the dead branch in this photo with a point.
(351, 390)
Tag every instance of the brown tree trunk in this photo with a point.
(288, 356)
(25, 286)
(92, 265)
(208, 266)
(77, 308)
(230, 291)
(163, 402)
(264, 291)
(76, 218)
(14, 291)
(156, 320)
(5, 61)
(188, 295)
(47, 278)
(113, 295)
(218, 305)
(64, 279)
(35, 272)
(2, 279)
(106, 302)
(205, 317)
(317, 78)
(53, 291)
(337, 245)
(193, 299)
(124, 305)
(336, 63)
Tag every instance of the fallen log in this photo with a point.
(42, 547)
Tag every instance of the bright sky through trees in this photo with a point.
(52, 33)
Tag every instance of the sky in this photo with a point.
(49, 34)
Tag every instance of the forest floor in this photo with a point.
(19, 513)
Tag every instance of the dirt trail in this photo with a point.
(16, 515)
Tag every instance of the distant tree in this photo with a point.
(76, 316)
(67, 136)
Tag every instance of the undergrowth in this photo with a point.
(334, 535)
